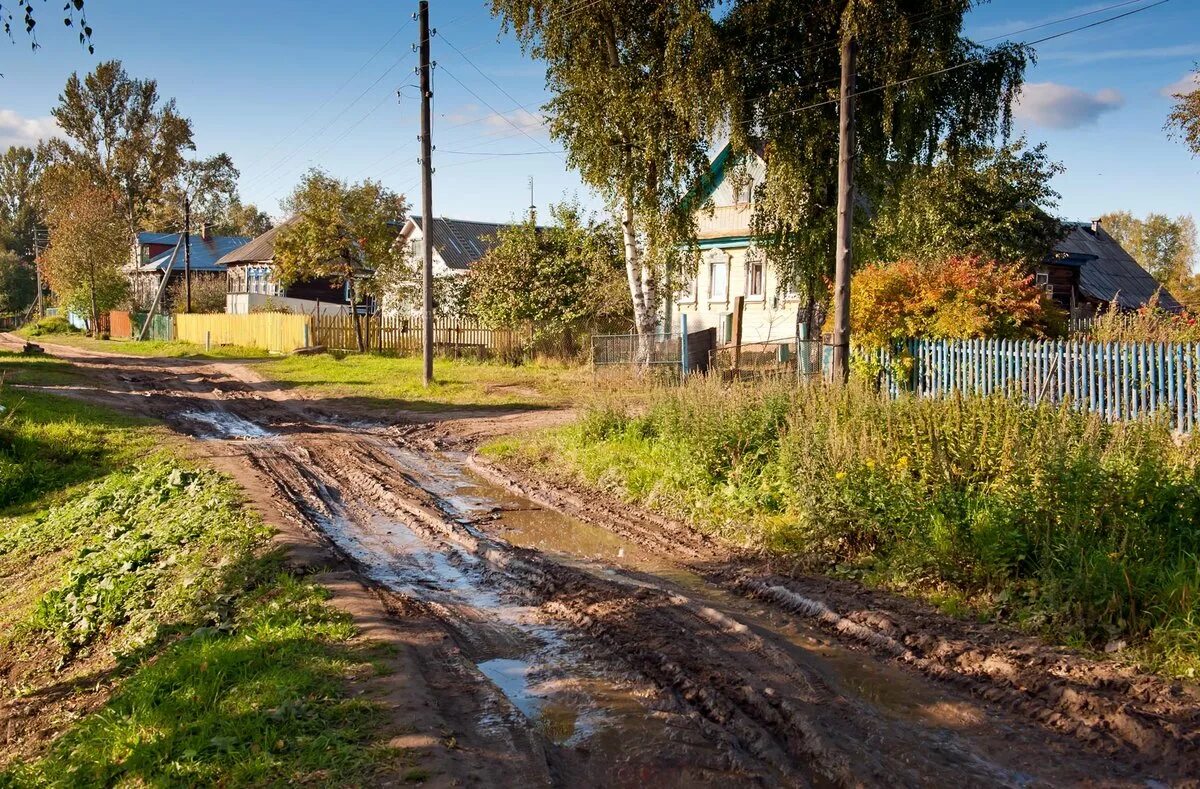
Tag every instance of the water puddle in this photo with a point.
(224, 425)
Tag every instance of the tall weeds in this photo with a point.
(1043, 515)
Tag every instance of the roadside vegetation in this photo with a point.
(1041, 517)
(397, 379)
(149, 634)
(57, 331)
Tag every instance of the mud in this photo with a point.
(585, 643)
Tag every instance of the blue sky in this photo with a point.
(283, 85)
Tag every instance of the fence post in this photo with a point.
(683, 346)
(208, 341)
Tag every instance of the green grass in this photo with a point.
(397, 380)
(119, 558)
(159, 348)
(1045, 518)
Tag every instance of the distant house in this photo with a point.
(457, 245)
(156, 253)
(1089, 269)
(252, 287)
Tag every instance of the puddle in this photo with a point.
(224, 425)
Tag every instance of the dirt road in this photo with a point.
(554, 638)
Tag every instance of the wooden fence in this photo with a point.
(272, 331)
(451, 336)
(1116, 380)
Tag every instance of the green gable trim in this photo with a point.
(710, 181)
(725, 241)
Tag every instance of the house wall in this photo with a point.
(769, 315)
(247, 303)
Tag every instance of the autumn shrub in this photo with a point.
(1043, 516)
(1149, 323)
(956, 298)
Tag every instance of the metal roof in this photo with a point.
(1107, 271)
(206, 253)
(461, 242)
(259, 250)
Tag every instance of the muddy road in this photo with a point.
(563, 640)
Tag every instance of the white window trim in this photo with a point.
(756, 259)
(712, 259)
(687, 292)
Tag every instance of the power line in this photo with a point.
(487, 104)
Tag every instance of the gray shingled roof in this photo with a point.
(258, 250)
(1107, 271)
(461, 242)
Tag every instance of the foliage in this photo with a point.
(208, 293)
(51, 324)
(18, 284)
(1049, 518)
(788, 77)
(1163, 246)
(242, 219)
(1149, 323)
(989, 202)
(1184, 121)
(88, 246)
(204, 187)
(19, 212)
(29, 21)
(121, 135)
(637, 92)
(561, 278)
(957, 298)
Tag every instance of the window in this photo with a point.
(718, 279)
(754, 278)
(687, 291)
(1042, 280)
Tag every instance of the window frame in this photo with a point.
(756, 260)
(716, 258)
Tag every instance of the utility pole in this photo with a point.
(39, 246)
(845, 217)
(187, 253)
(426, 194)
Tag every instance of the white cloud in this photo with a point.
(18, 130)
(1056, 106)
(517, 120)
(1083, 57)
(1183, 86)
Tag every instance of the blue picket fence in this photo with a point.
(1116, 380)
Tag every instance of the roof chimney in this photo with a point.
(206, 231)
(1095, 227)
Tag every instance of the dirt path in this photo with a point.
(547, 637)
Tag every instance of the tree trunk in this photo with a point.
(640, 282)
(358, 333)
(845, 217)
(95, 308)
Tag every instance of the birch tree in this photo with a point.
(638, 94)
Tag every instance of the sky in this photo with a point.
(285, 85)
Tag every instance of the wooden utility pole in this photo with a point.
(187, 252)
(845, 217)
(426, 195)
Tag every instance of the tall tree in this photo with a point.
(123, 135)
(204, 187)
(994, 203)
(921, 88)
(340, 232)
(88, 247)
(18, 286)
(19, 213)
(1184, 121)
(1163, 246)
(243, 219)
(637, 93)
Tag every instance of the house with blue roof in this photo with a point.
(157, 254)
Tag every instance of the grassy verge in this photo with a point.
(160, 348)
(1045, 518)
(136, 589)
(398, 381)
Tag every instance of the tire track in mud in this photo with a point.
(743, 707)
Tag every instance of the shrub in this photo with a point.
(51, 324)
(1150, 323)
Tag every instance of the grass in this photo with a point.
(124, 564)
(1045, 518)
(158, 348)
(456, 382)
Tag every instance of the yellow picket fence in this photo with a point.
(273, 331)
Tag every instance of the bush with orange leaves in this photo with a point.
(958, 298)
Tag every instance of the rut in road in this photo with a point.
(595, 673)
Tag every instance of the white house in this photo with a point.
(730, 263)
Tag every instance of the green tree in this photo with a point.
(340, 232)
(561, 279)
(993, 203)
(204, 187)
(1184, 121)
(1163, 246)
(88, 246)
(243, 219)
(921, 88)
(637, 92)
(19, 214)
(18, 285)
(123, 135)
